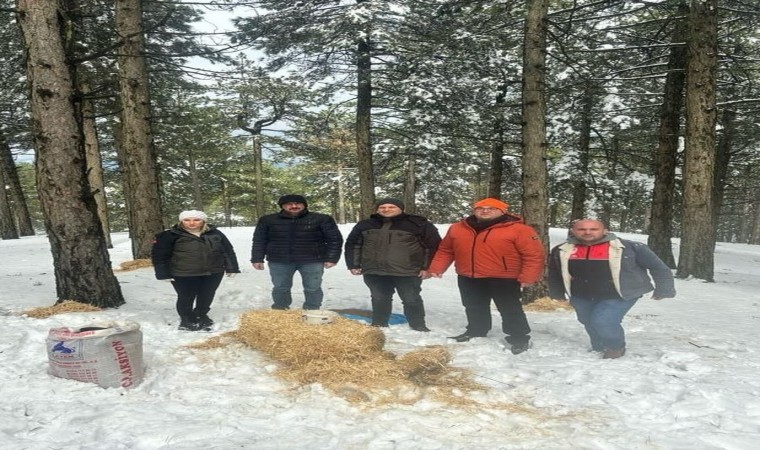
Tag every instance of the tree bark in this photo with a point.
(698, 235)
(410, 185)
(195, 180)
(80, 258)
(755, 229)
(496, 174)
(7, 224)
(363, 126)
(94, 161)
(341, 197)
(665, 159)
(580, 189)
(258, 159)
(258, 171)
(534, 176)
(136, 146)
(722, 160)
(16, 198)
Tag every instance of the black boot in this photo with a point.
(464, 337)
(205, 322)
(518, 346)
(188, 324)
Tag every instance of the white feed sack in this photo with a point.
(108, 354)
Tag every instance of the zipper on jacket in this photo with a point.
(472, 250)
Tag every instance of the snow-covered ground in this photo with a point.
(690, 379)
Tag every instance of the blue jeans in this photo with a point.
(602, 319)
(282, 279)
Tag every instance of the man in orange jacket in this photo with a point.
(495, 255)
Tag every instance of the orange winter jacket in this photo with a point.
(508, 249)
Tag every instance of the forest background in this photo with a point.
(640, 113)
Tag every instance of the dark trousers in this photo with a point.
(381, 288)
(195, 294)
(477, 294)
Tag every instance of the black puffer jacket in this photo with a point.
(306, 238)
(177, 253)
(397, 246)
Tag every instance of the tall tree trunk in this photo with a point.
(722, 159)
(258, 158)
(258, 174)
(136, 146)
(363, 125)
(580, 188)
(227, 203)
(94, 161)
(534, 177)
(7, 224)
(16, 198)
(607, 194)
(698, 236)
(341, 197)
(195, 180)
(496, 175)
(410, 185)
(80, 258)
(660, 228)
(755, 229)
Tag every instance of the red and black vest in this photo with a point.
(589, 267)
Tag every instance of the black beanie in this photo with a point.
(291, 198)
(389, 201)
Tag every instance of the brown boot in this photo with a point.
(613, 353)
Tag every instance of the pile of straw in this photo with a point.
(545, 304)
(347, 357)
(66, 306)
(134, 264)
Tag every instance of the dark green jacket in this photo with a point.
(397, 246)
(177, 253)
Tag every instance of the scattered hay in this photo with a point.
(347, 357)
(430, 360)
(545, 304)
(134, 265)
(66, 306)
(220, 341)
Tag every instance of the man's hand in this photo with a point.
(329, 265)
(355, 271)
(258, 266)
(424, 274)
(436, 275)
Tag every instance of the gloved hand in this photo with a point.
(231, 274)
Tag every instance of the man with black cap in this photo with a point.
(296, 239)
(392, 251)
